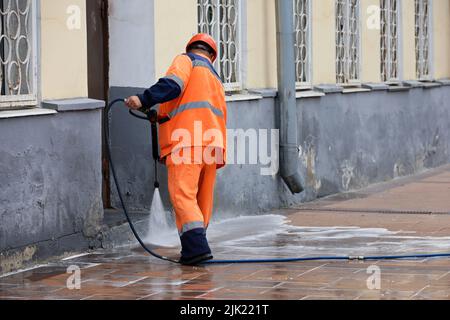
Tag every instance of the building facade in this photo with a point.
(50, 133)
(373, 100)
(371, 77)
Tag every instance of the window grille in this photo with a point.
(18, 77)
(302, 27)
(422, 33)
(389, 11)
(221, 20)
(347, 41)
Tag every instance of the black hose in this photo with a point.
(116, 182)
(134, 114)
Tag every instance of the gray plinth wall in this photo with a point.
(348, 141)
(50, 181)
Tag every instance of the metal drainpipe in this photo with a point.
(289, 148)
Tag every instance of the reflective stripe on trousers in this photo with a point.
(191, 226)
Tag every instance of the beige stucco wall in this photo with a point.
(408, 36)
(323, 35)
(441, 38)
(261, 44)
(175, 24)
(172, 32)
(63, 51)
(370, 41)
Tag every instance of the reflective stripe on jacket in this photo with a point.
(200, 110)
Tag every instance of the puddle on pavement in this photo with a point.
(37, 274)
(273, 236)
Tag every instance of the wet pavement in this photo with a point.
(407, 216)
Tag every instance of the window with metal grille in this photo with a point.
(302, 27)
(348, 35)
(422, 33)
(389, 11)
(18, 77)
(221, 20)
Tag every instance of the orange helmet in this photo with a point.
(207, 39)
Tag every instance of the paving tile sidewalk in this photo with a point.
(408, 215)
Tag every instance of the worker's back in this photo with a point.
(200, 110)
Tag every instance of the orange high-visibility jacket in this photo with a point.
(199, 110)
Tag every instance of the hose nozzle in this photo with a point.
(153, 116)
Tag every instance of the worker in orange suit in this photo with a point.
(192, 136)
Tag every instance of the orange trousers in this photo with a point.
(191, 188)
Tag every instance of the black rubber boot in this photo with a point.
(195, 248)
(194, 261)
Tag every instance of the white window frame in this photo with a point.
(348, 81)
(419, 46)
(304, 85)
(388, 64)
(220, 62)
(31, 99)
